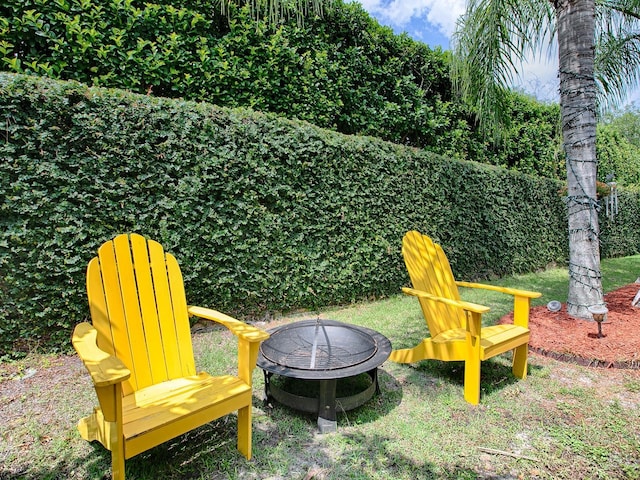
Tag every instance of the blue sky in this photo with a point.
(429, 21)
(434, 21)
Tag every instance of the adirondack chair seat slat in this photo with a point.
(171, 400)
(455, 326)
(167, 406)
(493, 338)
(498, 339)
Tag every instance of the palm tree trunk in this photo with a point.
(576, 30)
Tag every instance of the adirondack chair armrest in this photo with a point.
(509, 291)
(105, 369)
(471, 307)
(249, 338)
(521, 300)
(240, 329)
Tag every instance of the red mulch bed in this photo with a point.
(557, 335)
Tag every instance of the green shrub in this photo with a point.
(343, 72)
(263, 214)
(617, 156)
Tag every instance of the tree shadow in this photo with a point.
(370, 455)
(351, 452)
(98, 460)
(286, 444)
(208, 452)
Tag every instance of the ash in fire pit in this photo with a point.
(322, 351)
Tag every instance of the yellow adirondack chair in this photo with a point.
(456, 326)
(139, 355)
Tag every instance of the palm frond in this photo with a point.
(490, 42)
(273, 11)
(617, 64)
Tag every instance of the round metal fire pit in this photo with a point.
(322, 351)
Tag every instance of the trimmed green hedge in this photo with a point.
(620, 235)
(263, 214)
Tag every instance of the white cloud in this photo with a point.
(539, 77)
(400, 13)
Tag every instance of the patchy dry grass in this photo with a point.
(563, 422)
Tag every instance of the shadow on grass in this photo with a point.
(356, 451)
(379, 405)
(72, 469)
(286, 445)
(377, 456)
(208, 452)
(495, 373)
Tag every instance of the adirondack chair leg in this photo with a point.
(244, 431)
(472, 380)
(95, 428)
(117, 462)
(520, 355)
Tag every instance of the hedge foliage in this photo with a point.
(264, 214)
(617, 155)
(343, 72)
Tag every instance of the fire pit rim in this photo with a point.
(378, 358)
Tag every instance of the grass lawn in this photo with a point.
(563, 422)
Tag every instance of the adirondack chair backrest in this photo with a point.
(430, 271)
(138, 306)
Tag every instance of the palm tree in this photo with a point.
(599, 59)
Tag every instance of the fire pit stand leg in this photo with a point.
(374, 379)
(325, 405)
(327, 421)
(267, 385)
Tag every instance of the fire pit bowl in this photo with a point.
(322, 351)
